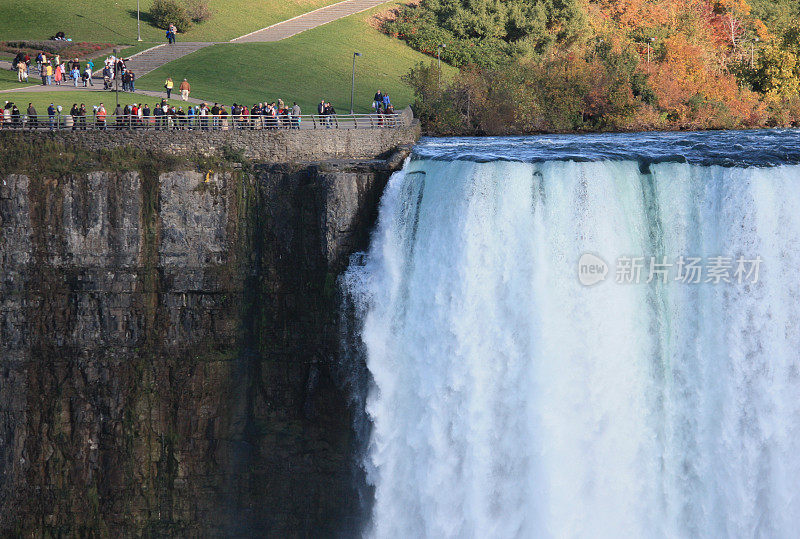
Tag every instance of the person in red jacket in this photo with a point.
(101, 116)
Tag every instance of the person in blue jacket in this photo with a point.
(51, 114)
(171, 31)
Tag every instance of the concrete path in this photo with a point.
(150, 59)
(307, 21)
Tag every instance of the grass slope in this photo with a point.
(8, 80)
(41, 100)
(306, 68)
(114, 21)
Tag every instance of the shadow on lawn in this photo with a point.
(144, 16)
(98, 23)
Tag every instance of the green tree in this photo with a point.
(778, 15)
(488, 32)
(776, 72)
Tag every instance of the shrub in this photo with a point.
(166, 12)
(199, 10)
(48, 46)
(67, 49)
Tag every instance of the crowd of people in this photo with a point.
(158, 116)
(163, 115)
(204, 116)
(115, 66)
(12, 117)
(382, 104)
(53, 70)
(56, 71)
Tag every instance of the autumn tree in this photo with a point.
(733, 14)
(526, 69)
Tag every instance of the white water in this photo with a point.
(511, 401)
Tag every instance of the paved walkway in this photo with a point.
(150, 59)
(307, 21)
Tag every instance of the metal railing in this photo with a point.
(203, 123)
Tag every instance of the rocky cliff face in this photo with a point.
(167, 342)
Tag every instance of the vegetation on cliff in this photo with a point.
(45, 155)
(604, 64)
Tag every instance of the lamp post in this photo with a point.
(138, 24)
(439, 61)
(353, 84)
(752, 53)
(116, 79)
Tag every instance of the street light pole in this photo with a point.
(649, 41)
(138, 24)
(353, 85)
(752, 53)
(439, 60)
(116, 80)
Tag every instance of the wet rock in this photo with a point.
(161, 336)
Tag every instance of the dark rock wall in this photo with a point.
(166, 350)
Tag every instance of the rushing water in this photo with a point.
(510, 400)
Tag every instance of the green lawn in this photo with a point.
(308, 67)
(114, 21)
(41, 100)
(8, 80)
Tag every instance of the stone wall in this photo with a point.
(273, 146)
(168, 341)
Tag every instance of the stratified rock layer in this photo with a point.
(167, 341)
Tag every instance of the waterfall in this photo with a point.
(510, 400)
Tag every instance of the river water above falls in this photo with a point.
(586, 337)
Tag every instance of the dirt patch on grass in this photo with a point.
(378, 20)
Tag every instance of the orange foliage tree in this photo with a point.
(694, 95)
